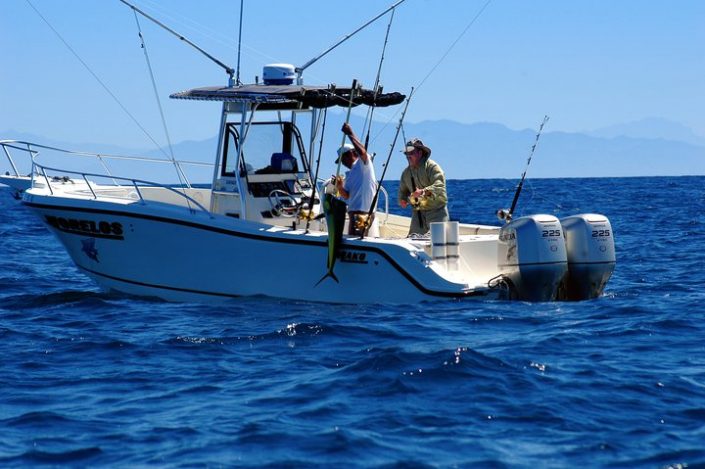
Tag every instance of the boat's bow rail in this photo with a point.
(7, 145)
(30, 151)
(132, 192)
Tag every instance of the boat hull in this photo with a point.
(179, 255)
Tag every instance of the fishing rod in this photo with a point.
(227, 68)
(368, 222)
(377, 88)
(300, 70)
(353, 88)
(507, 215)
(443, 57)
(318, 166)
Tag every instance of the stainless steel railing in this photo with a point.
(38, 169)
(33, 150)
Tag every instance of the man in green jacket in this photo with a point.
(423, 186)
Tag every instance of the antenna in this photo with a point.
(239, 44)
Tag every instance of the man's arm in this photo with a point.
(347, 130)
(404, 190)
(437, 188)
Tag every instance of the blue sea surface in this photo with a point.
(93, 379)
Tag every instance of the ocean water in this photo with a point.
(91, 379)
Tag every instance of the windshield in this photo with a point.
(270, 147)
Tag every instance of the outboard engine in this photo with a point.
(531, 254)
(591, 256)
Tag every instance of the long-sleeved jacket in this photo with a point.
(428, 176)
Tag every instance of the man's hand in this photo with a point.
(403, 203)
(347, 130)
(418, 193)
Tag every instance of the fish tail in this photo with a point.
(328, 274)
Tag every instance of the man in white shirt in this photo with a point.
(360, 184)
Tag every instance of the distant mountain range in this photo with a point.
(651, 128)
(650, 147)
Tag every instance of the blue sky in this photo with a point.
(588, 64)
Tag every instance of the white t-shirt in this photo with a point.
(361, 184)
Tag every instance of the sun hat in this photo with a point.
(415, 143)
(343, 150)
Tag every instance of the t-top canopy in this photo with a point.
(294, 96)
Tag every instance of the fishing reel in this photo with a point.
(504, 215)
(362, 222)
(421, 201)
(304, 214)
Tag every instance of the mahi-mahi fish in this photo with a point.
(335, 219)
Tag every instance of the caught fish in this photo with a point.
(335, 210)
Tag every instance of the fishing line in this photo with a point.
(204, 30)
(433, 69)
(533, 195)
(508, 215)
(371, 109)
(443, 57)
(179, 172)
(386, 165)
(105, 87)
(224, 66)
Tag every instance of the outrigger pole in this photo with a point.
(300, 70)
(502, 214)
(229, 70)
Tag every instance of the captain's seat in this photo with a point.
(280, 163)
(283, 163)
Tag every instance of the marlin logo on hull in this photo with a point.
(88, 247)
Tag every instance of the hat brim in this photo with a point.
(424, 149)
(340, 158)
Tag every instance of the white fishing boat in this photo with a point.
(260, 228)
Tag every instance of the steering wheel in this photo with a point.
(276, 197)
